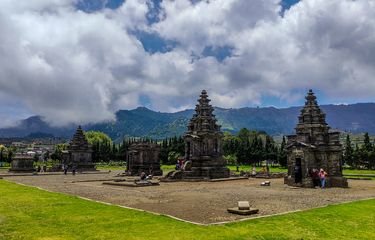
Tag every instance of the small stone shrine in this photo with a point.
(143, 157)
(79, 153)
(22, 163)
(203, 143)
(314, 147)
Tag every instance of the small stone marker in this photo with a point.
(243, 205)
(243, 209)
(265, 183)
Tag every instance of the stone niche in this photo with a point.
(143, 157)
(79, 152)
(22, 163)
(314, 146)
(203, 143)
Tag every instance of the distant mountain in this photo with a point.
(140, 122)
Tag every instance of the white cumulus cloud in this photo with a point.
(75, 67)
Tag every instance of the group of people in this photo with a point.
(66, 168)
(41, 169)
(145, 177)
(318, 177)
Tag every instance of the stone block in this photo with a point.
(243, 212)
(243, 205)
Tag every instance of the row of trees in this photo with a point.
(6, 153)
(360, 156)
(252, 147)
(171, 150)
(246, 147)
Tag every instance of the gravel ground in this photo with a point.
(202, 202)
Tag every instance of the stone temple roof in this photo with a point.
(311, 112)
(312, 128)
(203, 120)
(79, 141)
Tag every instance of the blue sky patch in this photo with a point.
(220, 53)
(153, 43)
(90, 6)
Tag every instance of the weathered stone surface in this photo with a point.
(22, 163)
(243, 212)
(243, 205)
(79, 153)
(313, 147)
(133, 184)
(203, 143)
(143, 157)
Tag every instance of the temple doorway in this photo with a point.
(298, 171)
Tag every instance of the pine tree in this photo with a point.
(366, 151)
(348, 152)
(366, 143)
(282, 157)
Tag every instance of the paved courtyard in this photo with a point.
(202, 202)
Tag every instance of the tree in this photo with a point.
(96, 136)
(3, 153)
(101, 145)
(366, 143)
(348, 152)
(282, 157)
(366, 152)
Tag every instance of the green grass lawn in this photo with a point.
(30, 213)
(355, 171)
(108, 167)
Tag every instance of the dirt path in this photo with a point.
(203, 202)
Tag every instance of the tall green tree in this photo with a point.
(282, 156)
(348, 152)
(101, 145)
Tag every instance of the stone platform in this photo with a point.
(133, 184)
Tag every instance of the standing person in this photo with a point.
(143, 176)
(177, 166)
(322, 177)
(65, 168)
(74, 169)
(181, 162)
(254, 171)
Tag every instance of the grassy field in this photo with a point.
(30, 213)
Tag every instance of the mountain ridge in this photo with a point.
(143, 122)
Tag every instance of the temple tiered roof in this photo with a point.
(79, 141)
(311, 121)
(203, 120)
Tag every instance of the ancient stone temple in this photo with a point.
(143, 157)
(203, 143)
(313, 147)
(79, 154)
(22, 163)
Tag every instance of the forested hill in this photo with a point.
(139, 122)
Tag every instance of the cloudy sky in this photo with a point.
(79, 61)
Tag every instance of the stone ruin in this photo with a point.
(79, 153)
(143, 157)
(314, 146)
(203, 145)
(22, 163)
